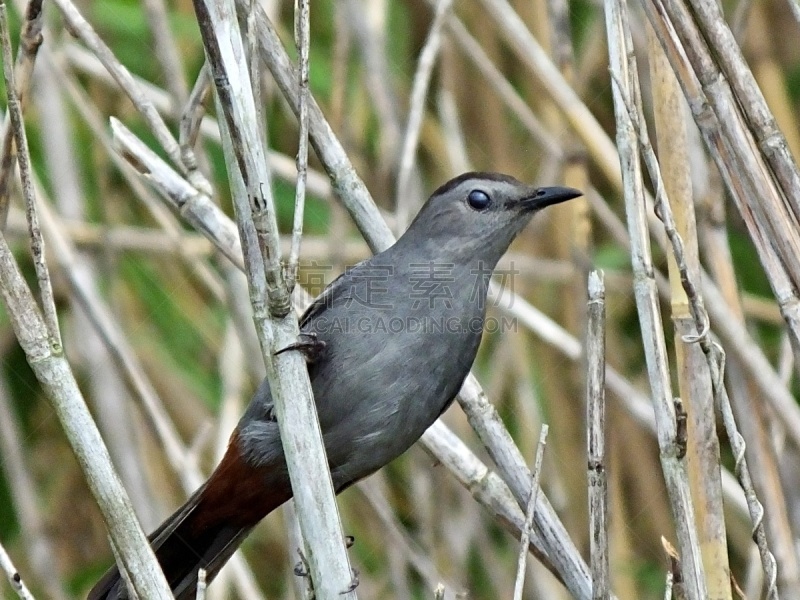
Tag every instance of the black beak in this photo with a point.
(547, 196)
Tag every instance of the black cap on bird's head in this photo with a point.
(481, 213)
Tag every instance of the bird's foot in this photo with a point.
(302, 569)
(353, 583)
(309, 346)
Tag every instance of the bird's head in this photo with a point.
(479, 215)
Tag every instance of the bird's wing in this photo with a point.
(328, 296)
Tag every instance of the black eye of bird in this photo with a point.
(478, 199)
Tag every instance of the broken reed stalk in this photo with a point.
(596, 423)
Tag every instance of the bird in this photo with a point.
(388, 344)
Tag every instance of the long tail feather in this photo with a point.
(208, 528)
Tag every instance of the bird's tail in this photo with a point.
(207, 529)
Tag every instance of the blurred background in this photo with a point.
(175, 297)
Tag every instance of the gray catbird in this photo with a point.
(389, 344)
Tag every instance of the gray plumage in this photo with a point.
(397, 335)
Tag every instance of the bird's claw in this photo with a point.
(301, 568)
(309, 346)
(353, 583)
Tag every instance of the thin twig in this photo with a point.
(486, 422)
(23, 158)
(164, 217)
(525, 537)
(597, 142)
(29, 43)
(302, 20)
(486, 487)
(165, 49)
(13, 575)
(419, 91)
(80, 26)
(192, 116)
